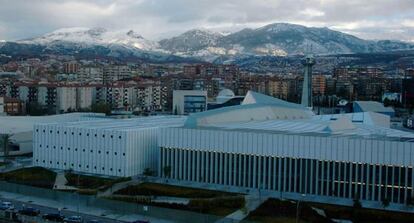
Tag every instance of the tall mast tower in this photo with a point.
(308, 63)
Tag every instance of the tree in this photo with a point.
(387, 102)
(357, 204)
(167, 171)
(385, 202)
(6, 140)
(35, 109)
(101, 108)
(148, 172)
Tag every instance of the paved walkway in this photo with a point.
(252, 202)
(61, 181)
(117, 187)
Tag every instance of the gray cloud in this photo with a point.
(373, 19)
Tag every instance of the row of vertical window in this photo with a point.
(309, 176)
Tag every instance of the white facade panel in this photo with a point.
(347, 149)
(104, 147)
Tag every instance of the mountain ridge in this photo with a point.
(277, 39)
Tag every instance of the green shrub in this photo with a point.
(236, 202)
(154, 189)
(33, 176)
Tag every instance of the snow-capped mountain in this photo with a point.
(191, 41)
(279, 39)
(94, 36)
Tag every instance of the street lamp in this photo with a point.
(297, 207)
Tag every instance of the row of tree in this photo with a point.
(5, 144)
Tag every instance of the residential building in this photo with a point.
(2, 106)
(116, 72)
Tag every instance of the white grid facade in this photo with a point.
(343, 167)
(103, 147)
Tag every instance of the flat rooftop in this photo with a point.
(124, 125)
(20, 124)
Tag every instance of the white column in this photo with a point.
(187, 165)
(301, 176)
(197, 170)
(323, 178)
(216, 167)
(225, 174)
(350, 195)
(317, 178)
(249, 169)
(328, 177)
(270, 173)
(367, 182)
(285, 172)
(386, 183)
(193, 164)
(274, 175)
(161, 161)
(207, 166)
(203, 176)
(356, 179)
(279, 177)
(380, 183)
(243, 176)
(264, 171)
(363, 182)
(412, 182)
(220, 169)
(212, 167)
(176, 164)
(339, 192)
(312, 179)
(231, 169)
(392, 183)
(399, 184)
(405, 184)
(333, 178)
(290, 175)
(295, 175)
(345, 179)
(180, 163)
(254, 171)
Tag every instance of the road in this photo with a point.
(44, 210)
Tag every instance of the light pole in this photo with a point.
(297, 207)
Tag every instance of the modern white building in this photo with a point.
(21, 128)
(281, 148)
(114, 147)
(189, 101)
(373, 106)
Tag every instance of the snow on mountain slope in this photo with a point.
(278, 39)
(94, 36)
(190, 41)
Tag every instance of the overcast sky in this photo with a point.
(154, 19)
